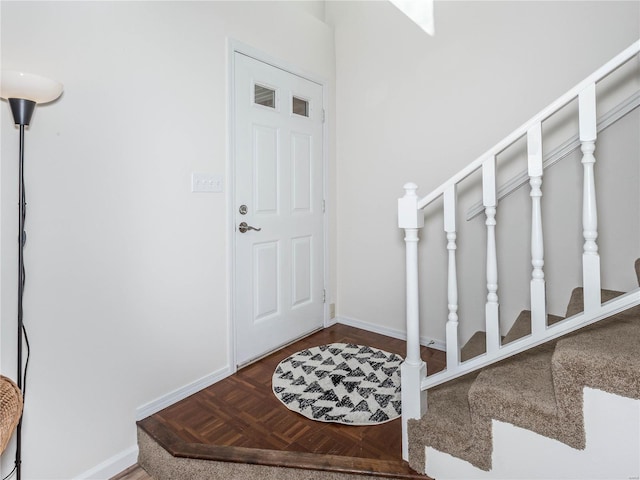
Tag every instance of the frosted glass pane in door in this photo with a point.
(264, 96)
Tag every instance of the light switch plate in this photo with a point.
(206, 182)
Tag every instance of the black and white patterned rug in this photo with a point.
(341, 383)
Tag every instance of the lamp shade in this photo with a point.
(28, 86)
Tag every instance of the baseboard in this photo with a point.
(331, 322)
(389, 332)
(125, 459)
(112, 466)
(181, 393)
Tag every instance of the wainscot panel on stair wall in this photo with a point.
(418, 108)
(127, 290)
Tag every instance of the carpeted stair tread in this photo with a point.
(604, 356)
(519, 391)
(576, 304)
(522, 326)
(447, 424)
(476, 345)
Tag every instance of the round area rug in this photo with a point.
(341, 383)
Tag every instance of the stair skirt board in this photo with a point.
(519, 453)
(540, 390)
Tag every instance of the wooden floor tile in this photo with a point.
(242, 413)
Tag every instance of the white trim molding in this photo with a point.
(125, 459)
(181, 393)
(112, 466)
(389, 332)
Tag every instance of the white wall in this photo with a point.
(127, 294)
(416, 108)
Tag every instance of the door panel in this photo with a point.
(301, 176)
(278, 269)
(266, 275)
(301, 271)
(265, 158)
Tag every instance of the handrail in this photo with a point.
(618, 112)
(596, 76)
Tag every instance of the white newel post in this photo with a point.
(492, 307)
(538, 293)
(453, 347)
(590, 256)
(413, 369)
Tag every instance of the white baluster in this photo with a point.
(590, 256)
(453, 347)
(413, 369)
(535, 168)
(492, 307)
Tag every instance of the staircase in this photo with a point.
(540, 390)
(537, 376)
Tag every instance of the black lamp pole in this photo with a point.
(22, 111)
(23, 91)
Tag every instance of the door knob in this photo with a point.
(243, 227)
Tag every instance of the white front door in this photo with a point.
(279, 255)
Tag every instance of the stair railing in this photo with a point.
(411, 219)
(562, 151)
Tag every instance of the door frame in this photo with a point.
(233, 47)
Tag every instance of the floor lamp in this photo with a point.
(23, 91)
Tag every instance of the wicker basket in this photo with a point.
(10, 409)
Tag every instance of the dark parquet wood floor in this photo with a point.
(240, 419)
